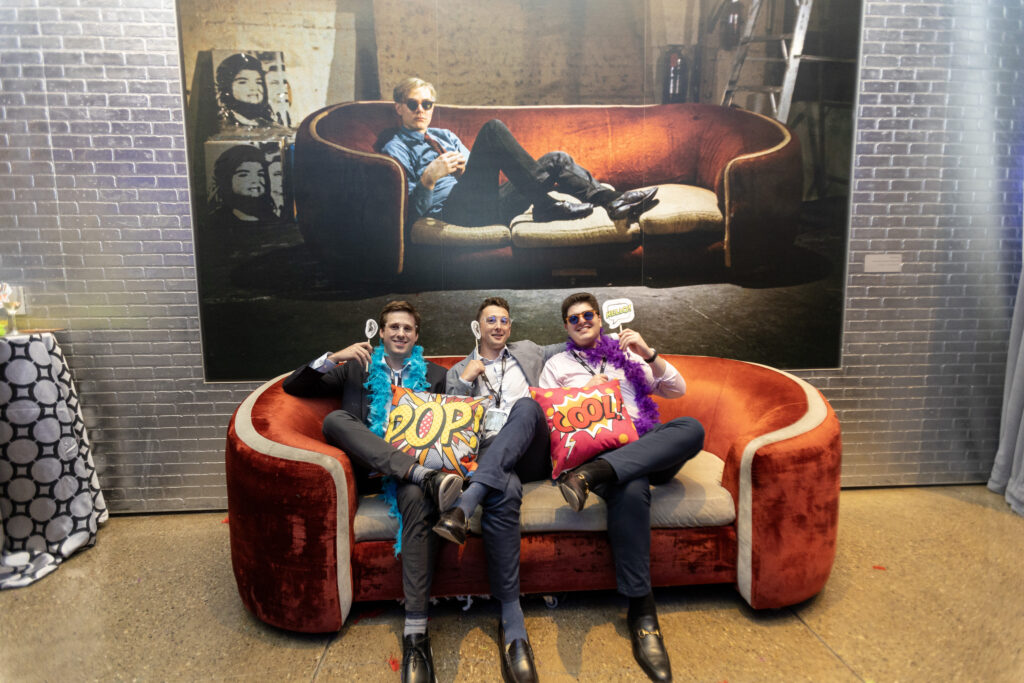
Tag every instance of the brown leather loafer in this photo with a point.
(574, 488)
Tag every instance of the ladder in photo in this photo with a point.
(791, 45)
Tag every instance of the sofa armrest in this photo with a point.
(786, 487)
(291, 506)
(760, 194)
(350, 203)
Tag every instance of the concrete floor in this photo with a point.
(926, 587)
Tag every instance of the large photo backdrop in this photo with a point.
(303, 229)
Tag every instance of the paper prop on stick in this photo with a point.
(371, 332)
(617, 312)
(475, 328)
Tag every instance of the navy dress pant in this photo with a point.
(520, 453)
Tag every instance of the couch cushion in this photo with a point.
(682, 209)
(597, 228)
(435, 232)
(695, 498)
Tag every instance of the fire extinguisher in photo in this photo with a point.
(677, 75)
(732, 24)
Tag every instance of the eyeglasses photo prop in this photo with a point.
(413, 105)
(494, 320)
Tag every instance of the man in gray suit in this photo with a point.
(515, 449)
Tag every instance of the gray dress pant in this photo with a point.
(420, 544)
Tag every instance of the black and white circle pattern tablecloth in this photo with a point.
(50, 499)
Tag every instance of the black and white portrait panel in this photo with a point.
(245, 182)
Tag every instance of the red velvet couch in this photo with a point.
(296, 520)
(730, 192)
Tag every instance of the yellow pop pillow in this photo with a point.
(440, 431)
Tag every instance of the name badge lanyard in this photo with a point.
(604, 363)
(501, 380)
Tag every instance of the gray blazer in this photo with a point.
(530, 356)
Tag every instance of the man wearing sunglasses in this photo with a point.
(449, 182)
(623, 476)
(514, 450)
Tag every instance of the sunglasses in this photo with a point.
(493, 319)
(413, 105)
(574, 319)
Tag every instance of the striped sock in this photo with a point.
(417, 473)
(415, 622)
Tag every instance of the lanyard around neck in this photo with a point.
(579, 359)
(501, 380)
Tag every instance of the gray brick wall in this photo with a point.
(95, 222)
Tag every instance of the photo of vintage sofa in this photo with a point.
(730, 189)
(757, 508)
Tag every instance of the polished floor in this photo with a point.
(928, 585)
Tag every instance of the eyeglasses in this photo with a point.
(574, 319)
(493, 320)
(413, 105)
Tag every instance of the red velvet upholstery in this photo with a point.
(352, 204)
(298, 567)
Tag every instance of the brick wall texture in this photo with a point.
(94, 211)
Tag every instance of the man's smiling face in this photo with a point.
(583, 332)
(399, 334)
(495, 328)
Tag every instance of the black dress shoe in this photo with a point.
(417, 659)
(649, 649)
(561, 211)
(516, 659)
(574, 488)
(443, 488)
(634, 201)
(452, 526)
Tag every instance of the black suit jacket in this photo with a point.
(346, 381)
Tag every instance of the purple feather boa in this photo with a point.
(608, 348)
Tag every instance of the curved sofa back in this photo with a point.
(730, 398)
(628, 146)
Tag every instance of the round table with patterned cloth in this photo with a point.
(50, 499)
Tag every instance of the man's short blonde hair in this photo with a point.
(403, 89)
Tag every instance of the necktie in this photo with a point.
(436, 146)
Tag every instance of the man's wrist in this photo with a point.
(653, 357)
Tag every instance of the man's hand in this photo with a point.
(445, 164)
(595, 380)
(360, 351)
(630, 340)
(474, 368)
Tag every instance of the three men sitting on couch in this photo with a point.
(515, 450)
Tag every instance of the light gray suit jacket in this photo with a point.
(530, 356)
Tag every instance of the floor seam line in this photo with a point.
(825, 643)
(323, 656)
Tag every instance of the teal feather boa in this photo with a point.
(378, 383)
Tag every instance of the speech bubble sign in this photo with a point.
(371, 329)
(475, 327)
(616, 312)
